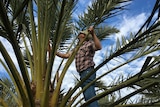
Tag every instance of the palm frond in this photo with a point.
(8, 93)
(100, 10)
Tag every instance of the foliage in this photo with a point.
(8, 93)
(31, 25)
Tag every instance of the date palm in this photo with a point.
(34, 23)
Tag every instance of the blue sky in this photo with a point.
(129, 21)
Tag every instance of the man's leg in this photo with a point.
(90, 92)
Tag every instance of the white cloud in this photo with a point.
(126, 26)
(10, 51)
(131, 24)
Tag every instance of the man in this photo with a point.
(84, 60)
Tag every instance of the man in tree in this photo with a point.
(84, 60)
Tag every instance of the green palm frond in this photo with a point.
(100, 10)
(147, 86)
(36, 22)
(132, 80)
(104, 32)
(8, 93)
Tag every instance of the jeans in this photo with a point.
(90, 91)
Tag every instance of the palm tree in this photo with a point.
(54, 23)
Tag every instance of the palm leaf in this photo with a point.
(18, 23)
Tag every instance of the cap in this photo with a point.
(84, 32)
(89, 36)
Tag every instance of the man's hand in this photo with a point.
(91, 30)
(95, 39)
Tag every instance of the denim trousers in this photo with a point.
(90, 91)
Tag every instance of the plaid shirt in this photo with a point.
(84, 56)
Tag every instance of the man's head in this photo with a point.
(83, 34)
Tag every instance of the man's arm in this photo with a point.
(95, 39)
(62, 55)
